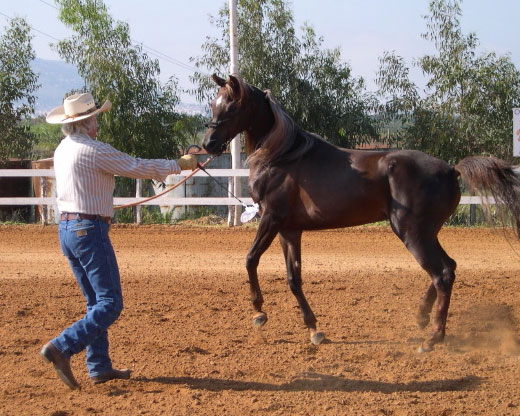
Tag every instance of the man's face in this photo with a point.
(92, 127)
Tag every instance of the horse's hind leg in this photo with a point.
(291, 245)
(441, 268)
(425, 306)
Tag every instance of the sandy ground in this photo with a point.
(186, 331)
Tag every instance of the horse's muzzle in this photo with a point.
(214, 146)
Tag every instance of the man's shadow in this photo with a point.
(321, 383)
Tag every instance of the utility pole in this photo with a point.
(234, 183)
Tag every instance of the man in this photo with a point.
(85, 170)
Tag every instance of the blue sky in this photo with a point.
(362, 29)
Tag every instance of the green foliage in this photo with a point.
(153, 215)
(188, 128)
(10, 216)
(478, 216)
(124, 187)
(143, 115)
(124, 216)
(313, 84)
(196, 212)
(18, 84)
(463, 217)
(47, 137)
(466, 107)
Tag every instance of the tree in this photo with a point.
(18, 83)
(190, 128)
(143, 116)
(314, 85)
(47, 136)
(466, 107)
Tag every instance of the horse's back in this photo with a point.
(335, 187)
(332, 187)
(418, 161)
(358, 186)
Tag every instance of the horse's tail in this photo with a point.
(489, 176)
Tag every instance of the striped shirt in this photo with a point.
(85, 170)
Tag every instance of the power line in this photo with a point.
(48, 4)
(150, 50)
(165, 57)
(33, 28)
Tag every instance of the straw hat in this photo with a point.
(76, 107)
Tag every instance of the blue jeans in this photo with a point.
(87, 246)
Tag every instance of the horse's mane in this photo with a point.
(285, 141)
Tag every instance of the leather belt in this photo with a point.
(66, 216)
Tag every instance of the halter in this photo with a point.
(215, 124)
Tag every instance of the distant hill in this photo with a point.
(192, 109)
(58, 78)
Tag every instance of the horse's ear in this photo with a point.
(219, 81)
(235, 85)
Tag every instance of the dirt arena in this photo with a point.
(186, 330)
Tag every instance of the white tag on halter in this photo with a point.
(249, 213)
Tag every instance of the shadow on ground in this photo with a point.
(321, 382)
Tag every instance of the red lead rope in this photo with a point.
(201, 165)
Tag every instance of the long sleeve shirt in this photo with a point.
(85, 170)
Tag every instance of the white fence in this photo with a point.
(48, 200)
(164, 200)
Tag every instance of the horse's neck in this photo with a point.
(262, 122)
(250, 144)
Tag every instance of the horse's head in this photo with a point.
(229, 114)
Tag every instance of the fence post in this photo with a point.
(138, 187)
(231, 208)
(43, 213)
(472, 214)
(55, 206)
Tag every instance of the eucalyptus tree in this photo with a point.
(313, 84)
(143, 119)
(18, 84)
(466, 106)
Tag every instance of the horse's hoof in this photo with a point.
(422, 349)
(259, 320)
(317, 338)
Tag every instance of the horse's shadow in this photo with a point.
(365, 342)
(321, 383)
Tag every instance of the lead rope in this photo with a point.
(200, 166)
(250, 211)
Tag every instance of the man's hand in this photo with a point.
(187, 162)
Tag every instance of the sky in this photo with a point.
(362, 29)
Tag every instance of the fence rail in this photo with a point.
(164, 200)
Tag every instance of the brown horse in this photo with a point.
(301, 182)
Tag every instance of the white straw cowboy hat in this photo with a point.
(76, 107)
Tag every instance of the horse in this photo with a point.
(302, 182)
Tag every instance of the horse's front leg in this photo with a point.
(291, 244)
(267, 230)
